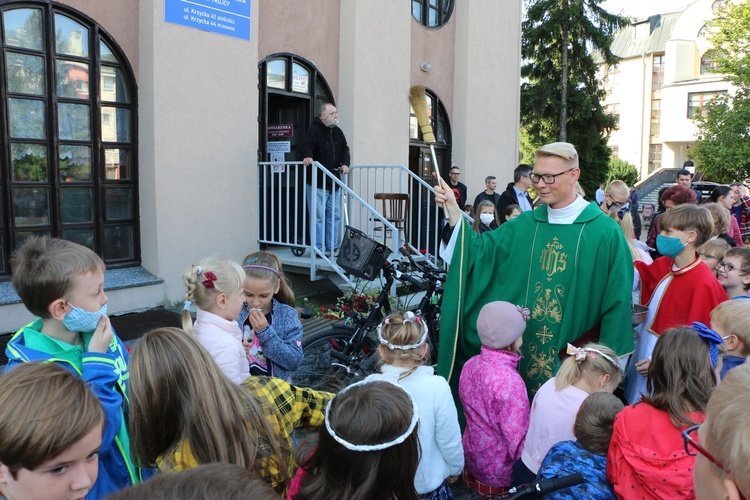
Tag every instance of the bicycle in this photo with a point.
(346, 353)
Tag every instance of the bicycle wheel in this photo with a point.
(324, 372)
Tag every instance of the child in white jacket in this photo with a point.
(216, 287)
(404, 351)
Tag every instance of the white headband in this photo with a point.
(409, 317)
(372, 447)
(580, 354)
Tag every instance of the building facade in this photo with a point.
(140, 137)
(663, 79)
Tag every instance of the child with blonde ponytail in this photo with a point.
(404, 352)
(588, 369)
(215, 286)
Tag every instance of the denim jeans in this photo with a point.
(327, 217)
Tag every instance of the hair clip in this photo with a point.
(209, 281)
(198, 270)
(372, 447)
(410, 317)
(712, 338)
(578, 352)
(186, 307)
(387, 321)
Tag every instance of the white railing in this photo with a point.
(284, 213)
(424, 224)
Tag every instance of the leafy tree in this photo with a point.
(622, 170)
(723, 142)
(561, 96)
(527, 146)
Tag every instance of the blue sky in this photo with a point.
(643, 8)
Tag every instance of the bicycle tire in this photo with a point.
(321, 371)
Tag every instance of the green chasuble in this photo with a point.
(575, 279)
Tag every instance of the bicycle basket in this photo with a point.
(360, 255)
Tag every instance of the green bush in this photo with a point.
(622, 170)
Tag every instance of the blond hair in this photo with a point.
(400, 331)
(46, 269)
(728, 428)
(178, 395)
(44, 410)
(571, 370)
(733, 318)
(717, 247)
(720, 217)
(618, 187)
(563, 150)
(202, 289)
(267, 266)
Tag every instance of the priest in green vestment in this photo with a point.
(566, 261)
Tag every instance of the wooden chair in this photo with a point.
(395, 209)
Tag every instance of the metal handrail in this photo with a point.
(298, 231)
(369, 179)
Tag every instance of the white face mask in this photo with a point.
(486, 219)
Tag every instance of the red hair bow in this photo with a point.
(209, 281)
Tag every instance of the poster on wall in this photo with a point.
(225, 17)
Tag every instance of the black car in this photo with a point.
(705, 188)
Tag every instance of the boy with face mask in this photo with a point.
(678, 287)
(62, 283)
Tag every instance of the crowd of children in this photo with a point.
(82, 417)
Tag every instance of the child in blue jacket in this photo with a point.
(62, 283)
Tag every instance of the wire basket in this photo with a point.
(360, 255)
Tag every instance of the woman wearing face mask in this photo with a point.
(486, 217)
(678, 288)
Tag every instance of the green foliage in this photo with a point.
(723, 142)
(527, 146)
(587, 27)
(723, 147)
(620, 169)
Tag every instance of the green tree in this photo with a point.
(620, 169)
(723, 140)
(527, 146)
(561, 96)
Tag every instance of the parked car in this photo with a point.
(705, 188)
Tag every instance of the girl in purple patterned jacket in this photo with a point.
(494, 398)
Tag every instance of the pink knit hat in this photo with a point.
(500, 323)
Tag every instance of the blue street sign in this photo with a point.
(225, 17)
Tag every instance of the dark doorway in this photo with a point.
(291, 89)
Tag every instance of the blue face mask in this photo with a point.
(80, 320)
(669, 246)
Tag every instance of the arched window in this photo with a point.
(718, 4)
(438, 117)
(292, 90)
(432, 13)
(702, 31)
(70, 141)
(708, 64)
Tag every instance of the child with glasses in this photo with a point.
(678, 288)
(733, 272)
(646, 457)
(722, 459)
(712, 252)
